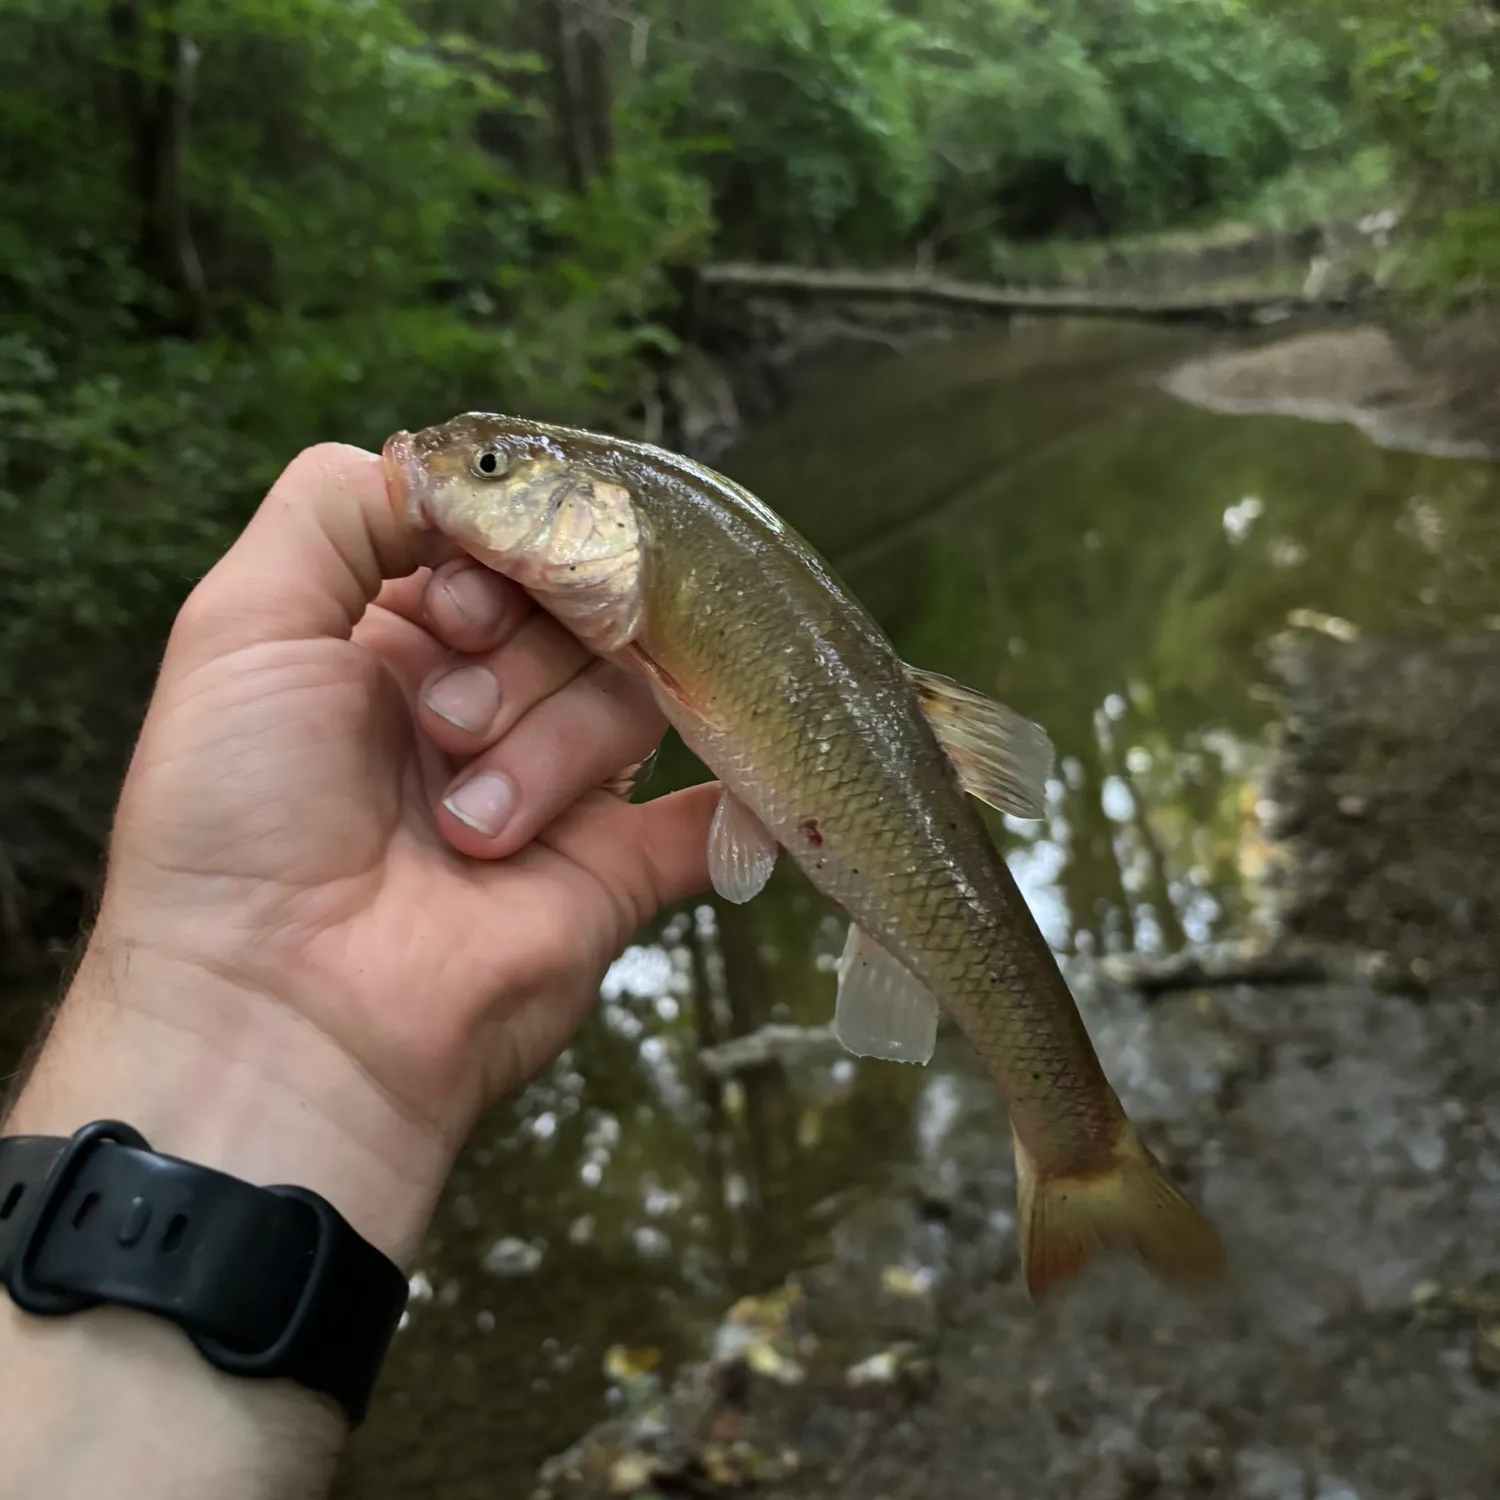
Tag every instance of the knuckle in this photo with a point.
(197, 613)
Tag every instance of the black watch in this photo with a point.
(269, 1282)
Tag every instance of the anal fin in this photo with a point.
(882, 1009)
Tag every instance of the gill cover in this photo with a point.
(583, 560)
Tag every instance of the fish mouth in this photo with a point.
(403, 479)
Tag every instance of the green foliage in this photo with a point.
(1457, 263)
(1320, 189)
(851, 125)
(815, 111)
(1095, 116)
(1431, 89)
(1423, 80)
(323, 245)
(1426, 75)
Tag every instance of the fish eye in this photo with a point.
(490, 463)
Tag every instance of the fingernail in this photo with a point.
(484, 804)
(466, 697)
(478, 595)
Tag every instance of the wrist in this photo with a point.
(99, 1400)
(228, 1078)
(110, 1403)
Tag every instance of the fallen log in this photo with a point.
(801, 282)
(771, 1044)
(1218, 966)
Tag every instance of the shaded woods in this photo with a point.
(229, 228)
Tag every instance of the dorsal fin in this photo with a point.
(1001, 758)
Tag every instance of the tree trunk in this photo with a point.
(578, 61)
(157, 79)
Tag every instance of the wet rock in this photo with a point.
(901, 1371)
(634, 1372)
(1486, 1354)
(799, 1380)
(1135, 1480)
(1335, 1489)
(1265, 1474)
(631, 1472)
(767, 1334)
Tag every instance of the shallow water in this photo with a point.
(1027, 512)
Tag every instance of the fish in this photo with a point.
(861, 768)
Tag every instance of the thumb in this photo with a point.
(311, 560)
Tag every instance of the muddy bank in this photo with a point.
(1433, 393)
(1349, 1145)
(744, 358)
(1387, 802)
(1346, 1138)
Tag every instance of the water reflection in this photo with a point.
(624, 1198)
(1115, 565)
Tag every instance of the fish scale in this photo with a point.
(786, 688)
(839, 683)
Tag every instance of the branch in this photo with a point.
(769, 1044)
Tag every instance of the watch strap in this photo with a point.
(269, 1282)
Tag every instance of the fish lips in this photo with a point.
(404, 479)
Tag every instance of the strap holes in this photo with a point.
(12, 1199)
(175, 1231)
(85, 1210)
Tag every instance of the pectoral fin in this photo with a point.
(882, 1010)
(629, 781)
(741, 854)
(1001, 758)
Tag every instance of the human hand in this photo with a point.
(316, 964)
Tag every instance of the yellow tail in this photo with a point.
(1067, 1221)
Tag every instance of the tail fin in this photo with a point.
(1067, 1221)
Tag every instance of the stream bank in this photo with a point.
(1436, 395)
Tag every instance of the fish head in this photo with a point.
(515, 496)
(489, 479)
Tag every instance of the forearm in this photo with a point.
(117, 1403)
